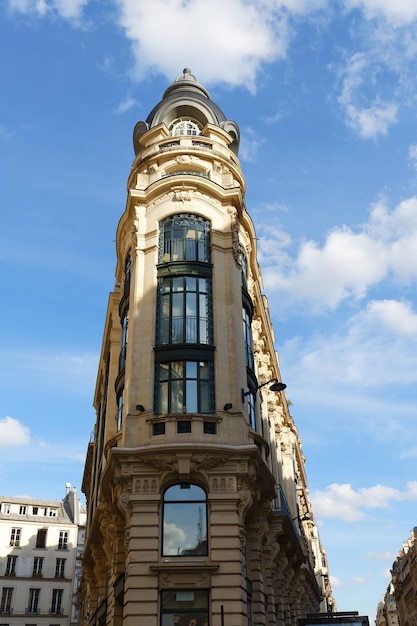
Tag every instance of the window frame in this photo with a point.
(63, 539)
(6, 599)
(56, 602)
(181, 612)
(11, 565)
(15, 537)
(169, 504)
(177, 295)
(176, 248)
(176, 380)
(37, 568)
(33, 600)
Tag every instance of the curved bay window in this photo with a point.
(184, 352)
(184, 521)
(183, 310)
(185, 238)
(185, 387)
(247, 316)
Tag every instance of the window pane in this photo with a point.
(191, 395)
(181, 493)
(185, 521)
(184, 608)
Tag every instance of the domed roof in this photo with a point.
(186, 99)
(185, 88)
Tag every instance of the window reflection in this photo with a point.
(185, 521)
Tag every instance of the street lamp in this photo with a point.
(276, 386)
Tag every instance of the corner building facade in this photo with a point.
(197, 501)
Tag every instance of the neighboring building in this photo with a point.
(387, 614)
(404, 581)
(40, 541)
(197, 499)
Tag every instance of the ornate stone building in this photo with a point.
(404, 581)
(197, 499)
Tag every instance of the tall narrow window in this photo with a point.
(122, 357)
(185, 521)
(247, 335)
(56, 604)
(33, 604)
(11, 565)
(185, 387)
(41, 538)
(60, 568)
(37, 566)
(63, 540)
(15, 537)
(119, 409)
(6, 600)
(128, 270)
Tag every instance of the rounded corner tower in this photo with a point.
(195, 474)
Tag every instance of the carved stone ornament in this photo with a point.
(223, 484)
(161, 463)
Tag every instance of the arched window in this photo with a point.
(184, 127)
(185, 238)
(184, 521)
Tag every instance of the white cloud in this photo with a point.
(380, 556)
(341, 501)
(125, 105)
(336, 583)
(400, 12)
(348, 264)
(371, 119)
(65, 372)
(412, 156)
(230, 50)
(13, 433)
(67, 9)
(359, 580)
(250, 142)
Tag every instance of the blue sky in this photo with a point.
(324, 93)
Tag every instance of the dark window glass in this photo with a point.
(185, 238)
(37, 566)
(128, 270)
(251, 409)
(247, 334)
(210, 428)
(185, 387)
(60, 568)
(122, 357)
(184, 426)
(184, 608)
(6, 600)
(158, 428)
(183, 310)
(41, 538)
(11, 566)
(185, 521)
(56, 604)
(33, 600)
